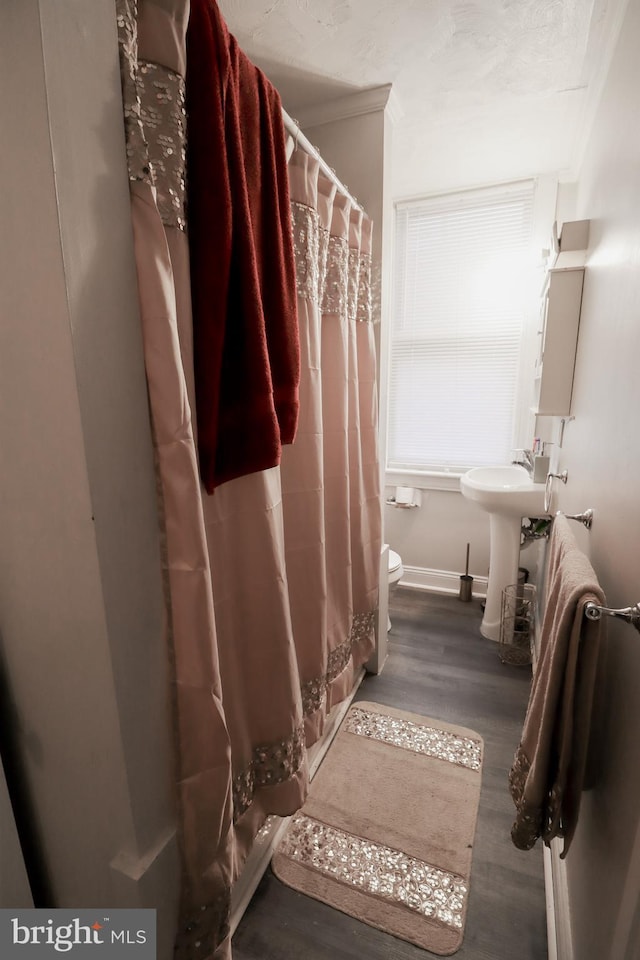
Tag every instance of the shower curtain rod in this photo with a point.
(302, 141)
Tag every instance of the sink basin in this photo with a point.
(508, 490)
(507, 493)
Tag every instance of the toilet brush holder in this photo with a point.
(466, 582)
(466, 588)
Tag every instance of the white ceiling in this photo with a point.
(487, 90)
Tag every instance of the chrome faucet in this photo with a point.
(525, 459)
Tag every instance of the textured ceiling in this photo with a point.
(488, 90)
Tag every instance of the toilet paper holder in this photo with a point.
(406, 497)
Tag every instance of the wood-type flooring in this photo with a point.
(439, 666)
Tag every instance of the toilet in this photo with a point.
(396, 572)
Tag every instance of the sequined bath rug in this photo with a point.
(386, 833)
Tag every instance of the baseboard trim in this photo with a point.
(559, 936)
(439, 581)
(134, 869)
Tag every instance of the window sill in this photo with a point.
(423, 480)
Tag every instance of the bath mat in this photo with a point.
(386, 833)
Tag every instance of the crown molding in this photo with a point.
(359, 104)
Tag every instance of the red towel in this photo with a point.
(245, 325)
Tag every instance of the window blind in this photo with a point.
(460, 277)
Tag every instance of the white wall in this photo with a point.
(602, 454)
(432, 539)
(81, 610)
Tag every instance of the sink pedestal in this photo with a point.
(504, 538)
(507, 493)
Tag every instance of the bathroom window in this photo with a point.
(463, 276)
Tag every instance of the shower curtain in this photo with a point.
(271, 582)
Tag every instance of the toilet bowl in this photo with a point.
(396, 572)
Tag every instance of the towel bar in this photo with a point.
(631, 614)
(548, 486)
(586, 517)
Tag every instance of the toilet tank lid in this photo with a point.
(395, 561)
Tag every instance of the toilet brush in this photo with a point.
(466, 582)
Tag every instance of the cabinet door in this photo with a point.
(560, 340)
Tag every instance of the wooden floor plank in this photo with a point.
(441, 667)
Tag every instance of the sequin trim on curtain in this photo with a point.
(306, 245)
(314, 692)
(354, 283)
(338, 659)
(323, 259)
(163, 115)
(321, 278)
(136, 144)
(335, 299)
(314, 695)
(270, 764)
(364, 312)
(363, 627)
(154, 118)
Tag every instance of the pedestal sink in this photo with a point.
(507, 493)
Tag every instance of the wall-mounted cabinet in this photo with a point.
(560, 321)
